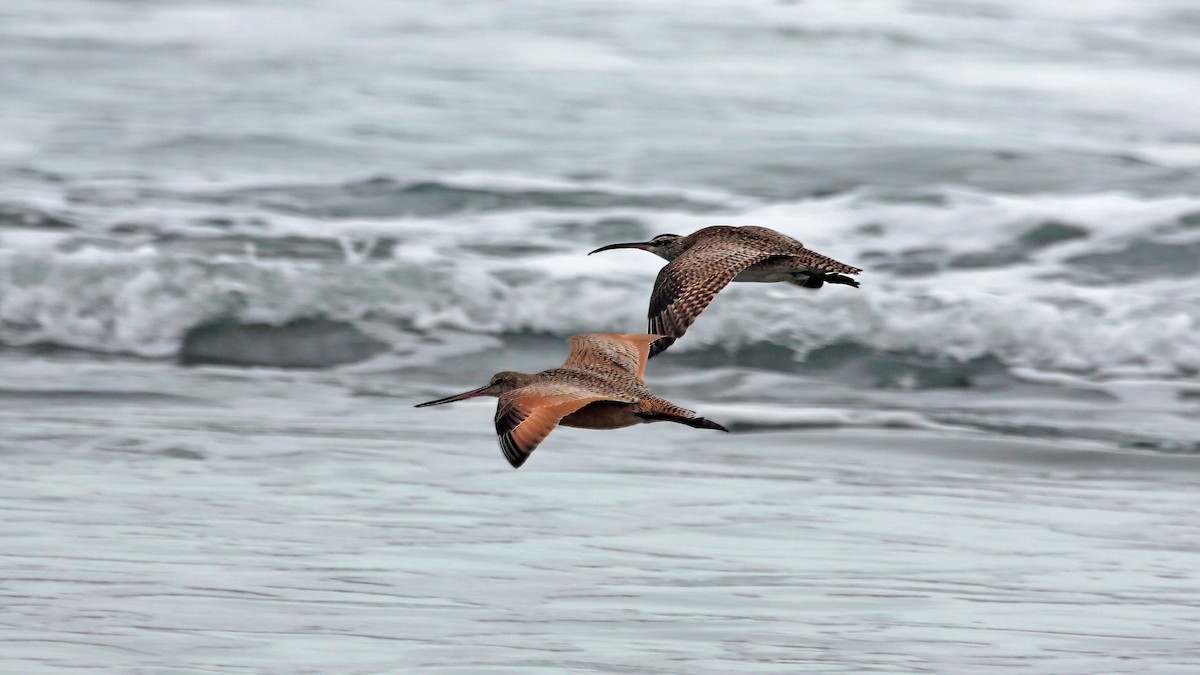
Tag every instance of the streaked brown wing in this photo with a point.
(525, 417)
(687, 284)
(624, 351)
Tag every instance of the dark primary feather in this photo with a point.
(508, 418)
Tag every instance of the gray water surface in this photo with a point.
(283, 522)
(983, 460)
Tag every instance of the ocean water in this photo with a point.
(238, 240)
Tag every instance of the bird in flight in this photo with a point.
(599, 386)
(702, 263)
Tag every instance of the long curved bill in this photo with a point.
(482, 391)
(632, 244)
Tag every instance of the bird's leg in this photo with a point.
(694, 422)
(819, 279)
(841, 279)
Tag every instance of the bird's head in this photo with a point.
(500, 383)
(666, 246)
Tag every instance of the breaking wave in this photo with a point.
(1101, 284)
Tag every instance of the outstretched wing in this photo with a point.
(622, 351)
(687, 284)
(525, 416)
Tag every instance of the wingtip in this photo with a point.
(512, 453)
(660, 345)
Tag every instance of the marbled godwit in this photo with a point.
(599, 386)
(703, 262)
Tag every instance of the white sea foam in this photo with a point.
(1006, 205)
(1017, 178)
(958, 277)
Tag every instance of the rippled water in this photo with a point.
(220, 520)
(983, 459)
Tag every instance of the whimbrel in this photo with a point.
(703, 262)
(599, 386)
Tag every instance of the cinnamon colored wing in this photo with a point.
(524, 417)
(623, 351)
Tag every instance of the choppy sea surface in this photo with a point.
(238, 240)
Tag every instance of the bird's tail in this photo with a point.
(823, 263)
(655, 409)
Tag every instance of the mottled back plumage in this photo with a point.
(623, 352)
(704, 262)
